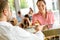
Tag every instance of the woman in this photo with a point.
(43, 17)
(30, 13)
(19, 16)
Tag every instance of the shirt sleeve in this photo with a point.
(40, 35)
(51, 18)
(3, 37)
(5, 34)
(33, 19)
(52, 22)
(24, 35)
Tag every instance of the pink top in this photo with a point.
(43, 21)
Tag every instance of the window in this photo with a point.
(12, 7)
(25, 5)
(11, 3)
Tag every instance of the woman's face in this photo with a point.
(41, 6)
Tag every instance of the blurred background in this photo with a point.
(24, 5)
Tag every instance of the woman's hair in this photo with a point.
(19, 12)
(26, 23)
(42, 0)
(27, 16)
(21, 25)
(31, 9)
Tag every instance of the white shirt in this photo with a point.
(40, 35)
(9, 32)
